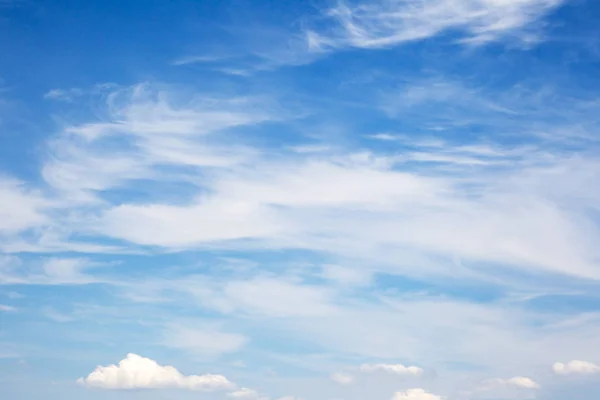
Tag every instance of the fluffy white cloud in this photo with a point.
(518, 387)
(135, 372)
(416, 394)
(522, 382)
(342, 379)
(575, 367)
(381, 23)
(517, 382)
(398, 369)
(246, 394)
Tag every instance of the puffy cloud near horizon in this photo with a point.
(246, 394)
(416, 394)
(136, 372)
(575, 367)
(397, 369)
(511, 387)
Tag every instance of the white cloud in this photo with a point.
(358, 205)
(260, 296)
(516, 387)
(575, 367)
(397, 369)
(381, 23)
(346, 276)
(50, 271)
(206, 340)
(63, 94)
(6, 308)
(56, 316)
(256, 297)
(228, 220)
(245, 393)
(416, 394)
(365, 205)
(21, 208)
(153, 130)
(399, 214)
(342, 379)
(524, 382)
(135, 372)
(520, 382)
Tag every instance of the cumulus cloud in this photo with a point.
(416, 394)
(383, 23)
(246, 394)
(398, 369)
(136, 372)
(517, 382)
(342, 379)
(575, 367)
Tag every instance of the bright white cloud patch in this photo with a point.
(135, 372)
(246, 394)
(382, 23)
(416, 394)
(575, 367)
(6, 308)
(398, 369)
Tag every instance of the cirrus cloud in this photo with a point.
(382, 23)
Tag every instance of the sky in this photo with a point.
(299, 200)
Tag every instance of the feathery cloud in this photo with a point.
(382, 23)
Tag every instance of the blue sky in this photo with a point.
(286, 200)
